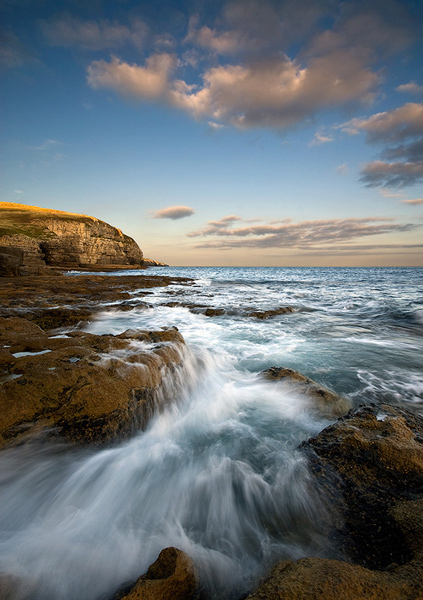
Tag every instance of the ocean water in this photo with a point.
(218, 473)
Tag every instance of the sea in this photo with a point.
(219, 473)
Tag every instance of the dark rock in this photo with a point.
(375, 459)
(327, 402)
(268, 314)
(11, 260)
(369, 466)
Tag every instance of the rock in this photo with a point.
(267, 314)
(67, 240)
(369, 466)
(366, 463)
(149, 262)
(88, 388)
(172, 577)
(325, 579)
(42, 299)
(11, 260)
(328, 403)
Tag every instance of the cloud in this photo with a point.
(303, 235)
(397, 174)
(273, 93)
(92, 35)
(321, 138)
(263, 80)
(145, 83)
(13, 53)
(342, 169)
(174, 212)
(227, 42)
(411, 152)
(402, 130)
(410, 88)
(390, 126)
(417, 201)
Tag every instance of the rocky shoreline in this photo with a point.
(58, 380)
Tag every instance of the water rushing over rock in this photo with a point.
(217, 474)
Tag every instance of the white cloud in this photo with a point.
(173, 212)
(321, 138)
(410, 88)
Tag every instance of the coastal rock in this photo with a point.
(325, 579)
(149, 262)
(49, 238)
(268, 314)
(369, 466)
(85, 387)
(172, 577)
(366, 463)
(11, 260)
(327, 402)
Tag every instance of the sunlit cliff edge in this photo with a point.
(34, 239)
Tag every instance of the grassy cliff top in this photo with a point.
(23, 219)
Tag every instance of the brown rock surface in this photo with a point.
(370, 468)
(268, 314)
(327, 402)
(171, 577)
(89, 388)
(11, 260)
(49, 238)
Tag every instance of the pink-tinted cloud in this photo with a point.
(304, 234)
(173, 212)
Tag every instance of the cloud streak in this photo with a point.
(301, 235)
(70, 31)
(173, 212)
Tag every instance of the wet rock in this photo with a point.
(172, 577)
(268, 314)
(366, 463)
(328, 403)
(37, 296)
(88, 388)
(369, 466)
(325, 579)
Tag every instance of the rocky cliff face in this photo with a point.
(50, 238)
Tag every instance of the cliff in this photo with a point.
(52, 238)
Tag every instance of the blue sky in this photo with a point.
(246, 132)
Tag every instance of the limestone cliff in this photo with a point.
(50, 238)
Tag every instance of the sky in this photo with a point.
(246, 132)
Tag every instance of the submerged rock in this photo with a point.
(88, 388)
(369, 466)
(268, 314)
(327, 402)
(172, 577)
